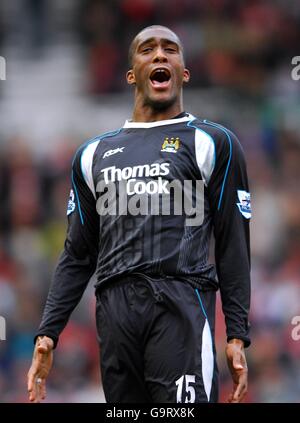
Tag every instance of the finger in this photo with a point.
(29, 382)
(31, 386)
(230, 397)
(240, 395)
(240, 391)
(32, 394)
(237, 399)
(39, 383)
(43, 389)
(34, 389)
(37, 398)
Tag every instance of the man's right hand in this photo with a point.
(40, 367)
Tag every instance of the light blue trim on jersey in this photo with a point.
(85, 145)
(77, 198)
(215, 125)
(206, 180)
(201, 304)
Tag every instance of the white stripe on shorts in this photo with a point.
(207, 357)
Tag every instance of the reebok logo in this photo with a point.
(111, 152)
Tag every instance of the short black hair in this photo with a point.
(132, 44)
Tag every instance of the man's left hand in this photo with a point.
(237, 364)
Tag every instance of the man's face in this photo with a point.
(157, 67)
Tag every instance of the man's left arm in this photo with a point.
(231, 208)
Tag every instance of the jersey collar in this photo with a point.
(130, 124)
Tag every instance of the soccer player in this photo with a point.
(144, 201)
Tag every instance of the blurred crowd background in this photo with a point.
(65, 82)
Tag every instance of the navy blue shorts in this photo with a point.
(157, 342)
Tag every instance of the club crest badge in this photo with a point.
(170, 145)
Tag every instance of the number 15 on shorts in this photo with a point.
(189, 394)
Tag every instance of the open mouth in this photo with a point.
(160, 77)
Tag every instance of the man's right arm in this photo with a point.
(77, 262)
(75, 267)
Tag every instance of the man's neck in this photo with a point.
(148, 114)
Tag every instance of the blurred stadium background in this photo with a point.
(66, 63)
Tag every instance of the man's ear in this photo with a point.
(130, 77)
(186, 75)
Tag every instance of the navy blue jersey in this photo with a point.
(144, 201)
